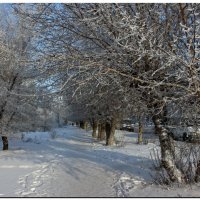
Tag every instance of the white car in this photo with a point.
(185, 133)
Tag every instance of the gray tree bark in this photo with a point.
(140, 132)
(110, 131)
(197, 175)
(103, 132)
(83, 124)
(168, 153)
(94, 128)
(5, 142)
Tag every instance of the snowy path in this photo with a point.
(72, 165)
(63, 167)
(75, 165)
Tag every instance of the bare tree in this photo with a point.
(148, 52)
(18, 103)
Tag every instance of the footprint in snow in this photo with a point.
(32, 181)
(125, 183)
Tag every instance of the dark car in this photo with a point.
(185, 133)
(127, 126)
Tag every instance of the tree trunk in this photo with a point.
(5, 142)
(83, 125)
(103, 132)
(110, 132)
(94, 128)
(99, 131)
(168, 153)
(155, 125)
(197, 175)
(58, 120)
(108, 129)
(140, 132)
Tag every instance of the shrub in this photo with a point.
(120, 139)
(53, 134)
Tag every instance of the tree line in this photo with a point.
(111, 61)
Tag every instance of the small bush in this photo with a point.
(120, 139)
(31, 140)
(53, 134)
(22, 136)
(145, 141)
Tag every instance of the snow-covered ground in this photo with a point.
(70, 163)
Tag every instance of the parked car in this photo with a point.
(127, 126)
(185, 133)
